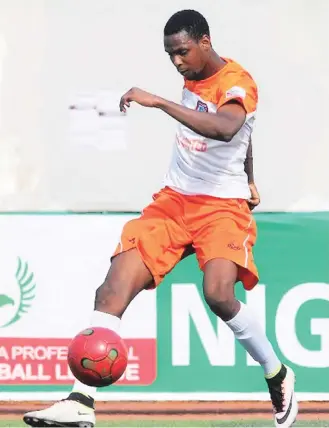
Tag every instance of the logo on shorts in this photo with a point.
(234, 246)
(132, 240)
(15, 305)
(202, 107)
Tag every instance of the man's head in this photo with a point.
(187, 41)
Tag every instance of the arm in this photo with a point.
(249, 169)
(222, 125)
(249, 164)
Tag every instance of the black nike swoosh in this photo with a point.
(83, 414)
(285, 417)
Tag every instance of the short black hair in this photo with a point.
(190, 21)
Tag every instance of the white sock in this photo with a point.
(248, 332)
(98, 319)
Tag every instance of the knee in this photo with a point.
(220, 298)
(127, 276)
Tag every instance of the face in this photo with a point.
(187, 55)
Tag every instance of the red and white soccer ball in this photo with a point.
(97, 356)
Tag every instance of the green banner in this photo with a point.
(197, 353)
(292, 300)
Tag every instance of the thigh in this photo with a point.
(228, 232)
(157, 235)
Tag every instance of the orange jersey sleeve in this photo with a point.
(240, 87)
(232, 82)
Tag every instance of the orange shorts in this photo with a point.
(217, 228)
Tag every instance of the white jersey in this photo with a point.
(205, 166)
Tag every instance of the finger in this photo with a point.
(123, 104)
(251, 204)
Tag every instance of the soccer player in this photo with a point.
(203, 205)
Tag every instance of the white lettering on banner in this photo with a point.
(286, 330)
(131, 354)
(25, 372)
(187, 304)
(4, 353)
(256, 301)
(63, 373)
(44, 361)
(39, 353)
(132, 373)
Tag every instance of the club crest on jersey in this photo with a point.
(201, 107)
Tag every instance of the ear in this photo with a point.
(205, 43)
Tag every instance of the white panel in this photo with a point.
(66, 48)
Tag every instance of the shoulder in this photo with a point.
(233, 73)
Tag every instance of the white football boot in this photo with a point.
(282, 391)
(65, 413)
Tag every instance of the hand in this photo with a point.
(255, 198)
(140, 97)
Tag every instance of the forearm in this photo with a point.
(217, 126)
(249, 164)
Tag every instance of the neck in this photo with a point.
(214, 64)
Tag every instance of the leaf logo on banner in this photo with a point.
(26, 284)
(5, 300)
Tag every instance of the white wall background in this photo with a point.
(53, 50)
